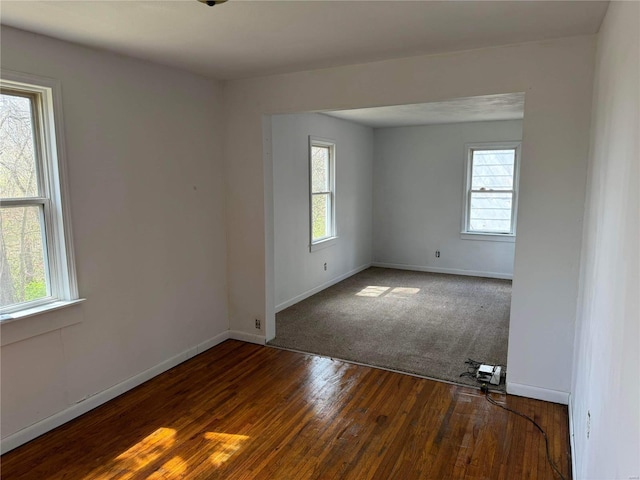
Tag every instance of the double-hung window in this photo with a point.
(36, 261)
(322, 180)
(491, 189)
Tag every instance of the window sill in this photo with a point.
(314, 247)
(490, 237)
(18, 326)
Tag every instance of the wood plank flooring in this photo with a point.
(242, 411)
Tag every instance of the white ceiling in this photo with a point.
(509, 106)
(250, 38)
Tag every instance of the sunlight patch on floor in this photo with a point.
(372, 291)
(159, 452)
(174, 468)
(402, 292)
(147, 450)
(225, 445)
(378, 291)
(139, 456)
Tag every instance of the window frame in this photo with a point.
(324, 242)
(53, 193)
(466, 233)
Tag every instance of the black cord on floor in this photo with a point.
(472, 368)
(546, 440)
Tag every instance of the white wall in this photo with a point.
(557, 78)
(418, 199)
(147, 204)
(606, 382)
(299, 272)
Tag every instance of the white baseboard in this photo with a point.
(313, 291)
(538, 393)
(452, 271)
(83, 406)
(246, 337)
(572, 439)
(212, 342)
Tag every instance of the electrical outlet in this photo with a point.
(588, 424)
(258, 324)
(325, 266)
(437, 253)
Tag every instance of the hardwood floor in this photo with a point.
(242, 411)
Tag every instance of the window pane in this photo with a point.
(490, 212)
(320, 217)
(493, 169)
(319, 169)
(18, 174)
(23, 275)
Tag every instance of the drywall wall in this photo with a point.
(299, 272)
(557, 78)
(419, 175)
(147, 194)
(606, 392)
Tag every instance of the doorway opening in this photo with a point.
(417, 276)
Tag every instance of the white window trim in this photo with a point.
(490, 237)
(330, 240)
(60, 251)
(465, 234)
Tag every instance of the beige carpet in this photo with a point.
(416, 322)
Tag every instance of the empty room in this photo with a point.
(399, 191)
(408, 184)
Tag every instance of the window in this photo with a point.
(36, 262)
(322, 191)
(490, 193)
